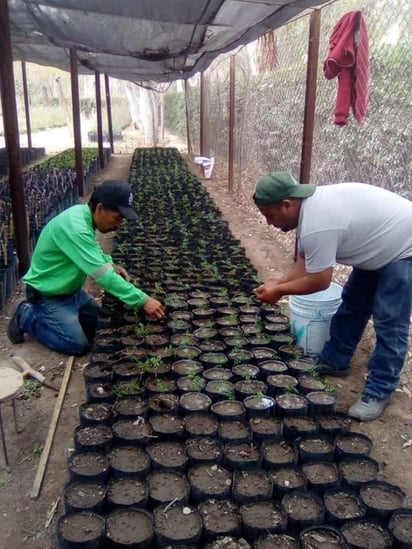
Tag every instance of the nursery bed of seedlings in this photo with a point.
(211, 429)
(49, 188)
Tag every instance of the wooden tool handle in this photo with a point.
(27, 369)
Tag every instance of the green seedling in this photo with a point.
(32, 388)
(37, 449)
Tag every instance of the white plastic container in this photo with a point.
(310, 317)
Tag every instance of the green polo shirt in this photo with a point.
(67, 252)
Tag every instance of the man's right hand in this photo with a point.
(154, 309)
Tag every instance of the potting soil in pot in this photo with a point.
(187, 463)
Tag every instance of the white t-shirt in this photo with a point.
(354, 224)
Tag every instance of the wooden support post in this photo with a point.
(11, 134)
(76, 122)
(109, 111)
(232, 121)
(310, 96)
(99, 118)
(26, 103)
(189, 140)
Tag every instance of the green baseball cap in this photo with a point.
(277, 186)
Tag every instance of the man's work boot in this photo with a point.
(14, 332)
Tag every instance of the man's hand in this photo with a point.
(153, 308)
(122, 272)
(269, 292)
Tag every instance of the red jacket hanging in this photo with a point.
(348, 59)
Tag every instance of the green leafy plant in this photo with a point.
(32, 388)
(37, 449)
(230, 394)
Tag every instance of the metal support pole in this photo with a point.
(99, 118)
(109, 111)
(26, 103)
(11, 134)
(310, 96)
(203, 118)
(189, 140)
(232, 121)
(76, 122)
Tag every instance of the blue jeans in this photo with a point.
(64, 324)
(386, 295)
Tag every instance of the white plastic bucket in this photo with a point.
(310, 317)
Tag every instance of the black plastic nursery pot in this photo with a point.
(321, 475)
(400, 527)
(194, 401)
(335, 424)
(204, 450)
(272, 367)
(88, 466)
(83, 530)
(297, 426)
(291, 405)
(286, 478)
(220, 518)
(131, 432)
(209, 481)
(262, 517)
(366, 534)
(163, 403)
(242, 456)
(84, 495)
(264, 428)
(177, 525)
(321, 403)
(278, 384)
(201, 425)
(271, 541)
(304, 508)
(97, 413)
(129, 461)
(315, 447)
(125, 492)
(252, 485)
(167, 426)
(358, 469)
(224, 374)
(234, 431)
(166, 486)
(226, 410)
(381, 499)
(341, 505)
(322, 537)
(352, 443)
(259, 406)
(92, 438)
(168, 454)
(131, 408)
(278, 452)
(130, 527)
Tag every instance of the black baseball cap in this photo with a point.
(116, 195)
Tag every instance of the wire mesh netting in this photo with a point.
(270, 86)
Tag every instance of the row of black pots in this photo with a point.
(235, 440)
(190, 360)
(299, 515)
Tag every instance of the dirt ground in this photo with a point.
(31, 523)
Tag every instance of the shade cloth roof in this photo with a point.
(141, 40)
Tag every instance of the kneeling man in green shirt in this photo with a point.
(58, 312)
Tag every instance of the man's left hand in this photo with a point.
(269, 292)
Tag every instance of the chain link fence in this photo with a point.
(270, 85)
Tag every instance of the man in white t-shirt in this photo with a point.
(370, 229)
